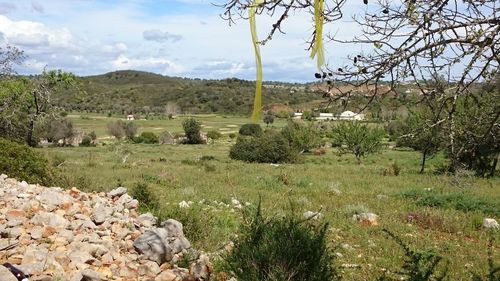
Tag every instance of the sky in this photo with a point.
(184, 38)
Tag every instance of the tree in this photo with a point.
(250, 129)
(26, 102)
(130, 130)
(444, 48)
(58, 129)
(356, 138)
(268, 119)
(9, 56)
(419, 134)
(302, 137)
(116, 129)
(192, 129)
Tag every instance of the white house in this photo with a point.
(297, 115)
(325, 116)
(349, 115)
(130, 117)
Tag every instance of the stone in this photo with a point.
(149, 268)
(313, 215)
(81, 257)
(183, 204)
(147, 217)
(50, 219)
(173, 227)
(489, 223)
(99, 214)
(54, 197)
(367, 219)
(153, 245)
(36, 232)
(86, 275)
(202, 268)
(167, 275)
(5, 274)
(32, 268)
(117, 192)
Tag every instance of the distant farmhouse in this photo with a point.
(130, 117)
(346, 115)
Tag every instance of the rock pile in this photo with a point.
(56, 234)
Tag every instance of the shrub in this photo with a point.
(280, 248)
(86, 141)
(120, 129)
(301, 137)
(250, 130)
(268, 119)
(232, 135)
(21, 162)
(270, 147)
(116, 129)
(457, 201)
(147, 137)
(214, 135)
(146, 198)
(192, 130)
(358, 139)
(130, 129)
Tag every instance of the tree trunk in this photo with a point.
(493, 167)
(424, 155)
(29, 137)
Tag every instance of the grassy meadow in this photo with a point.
(446, 211)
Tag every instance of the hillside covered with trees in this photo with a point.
(135, 92)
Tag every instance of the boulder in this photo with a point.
(367, 218)
(490, 224)
(160, 244)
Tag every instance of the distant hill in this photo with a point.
(137, 92)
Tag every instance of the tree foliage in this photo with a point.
(302, 137)
(192, 129)
(356, 138)
(269, 147)
(22, 162)
(419, 133)
(281, 248)
(25, 103)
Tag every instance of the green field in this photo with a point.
(334, 185)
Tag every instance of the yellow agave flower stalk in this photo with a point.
(257, 104)
(318, 50)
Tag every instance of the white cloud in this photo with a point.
(158, 65)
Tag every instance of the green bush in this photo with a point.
(146, 137)
(302, 137)
(86, 141)
(270, 147)
(458, 201)
(214, 135)
(280, 248)
(147, 200)
(250, 130)
(356, 138)
(192, 130)
(21, 162)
